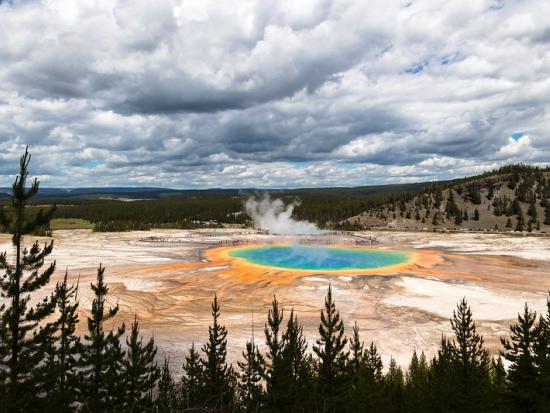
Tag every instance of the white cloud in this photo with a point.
(517, 150)
(316, 92)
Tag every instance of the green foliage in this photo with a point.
(166, 401)
(139, 371)
(217, 374)
(24, 330)
(192, 383)
(522, 372)
(250, 387)
(101, 354)
(471, 362)
(61, 368)
(332, 357)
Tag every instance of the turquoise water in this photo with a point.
(319, 258)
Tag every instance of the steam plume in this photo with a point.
(274, 216)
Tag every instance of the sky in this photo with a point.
(282, 93)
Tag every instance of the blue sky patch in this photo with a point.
(413, 70)
(517, 135)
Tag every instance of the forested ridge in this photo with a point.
(512, 198)
(45, 366)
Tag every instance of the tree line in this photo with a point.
(46, 366)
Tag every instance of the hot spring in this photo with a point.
(319, 258)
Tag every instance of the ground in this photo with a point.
(169, 283)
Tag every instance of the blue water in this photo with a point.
(319, 258)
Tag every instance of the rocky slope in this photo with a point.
(514, 198)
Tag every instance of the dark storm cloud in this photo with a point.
(254, 93)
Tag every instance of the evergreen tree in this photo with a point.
(442, 380)
(394, 387)
(458, 217)
(516, 207)
(373, 361)
(522, 372)
(520, 226)
(532, 210)
(139, 371)
(274, 373)
(24, 333)
(356, 352)
(297, 372)
(356, 392)
(165, 401)
(476, 215)
(491, 189)
(547, 213)
(508, 223)
(541, 349)
(330, 350)
(64, 346)
(471, 361)
(416, 384)
(218, 391)
(192, 380)
(101, 355)
(251, 392)
(498, 385)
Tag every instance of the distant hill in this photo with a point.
(157, 192)
(114, 192)
(513, 198)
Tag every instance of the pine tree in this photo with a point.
(23, 332)
(165, 401)
(532, 210)
(476, 215)
(64, 346)
(442, 380)
(274, 373)
(516, 207)
(522, 372)
(541, 349)
(356, 351)
(101, 355)
(458, 217)
(356, 392)
(218, 392)
(296, 372)
(139, 371)
(471, 360)
(251, 392)
(491, 190)
(547, 213)
(192, 380)
(330, 350)
(394, 387)
(520, 226)
(416, 384)
(498, 384)
(373, 361)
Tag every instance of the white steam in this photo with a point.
(274, 216)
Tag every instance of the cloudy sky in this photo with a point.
(282, 93)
